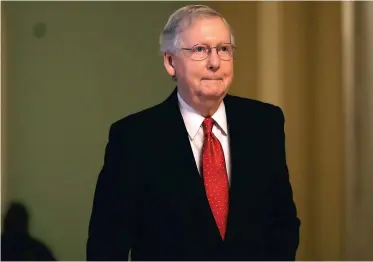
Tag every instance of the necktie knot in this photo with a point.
(207, 124)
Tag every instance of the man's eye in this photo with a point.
(200, 49)
(224, 48)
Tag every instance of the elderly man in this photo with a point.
(201, 176)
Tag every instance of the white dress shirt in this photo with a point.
(193, 123)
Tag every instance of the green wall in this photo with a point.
(92, 64)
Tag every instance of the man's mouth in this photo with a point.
(212, 78)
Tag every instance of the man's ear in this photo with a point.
(168, 64)
(170, 61)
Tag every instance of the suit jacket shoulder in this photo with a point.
(260, 114)
(253, 113)
(136, 121)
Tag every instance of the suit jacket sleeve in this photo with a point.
(112, 225)
(285, 228)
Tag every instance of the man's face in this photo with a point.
(207, 80)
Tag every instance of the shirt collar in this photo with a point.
(193, 120)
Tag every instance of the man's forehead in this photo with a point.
(207, 29)
(205, 23)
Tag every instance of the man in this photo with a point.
(201, 176)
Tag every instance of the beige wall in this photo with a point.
(360, 213)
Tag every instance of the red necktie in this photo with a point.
(215, 176)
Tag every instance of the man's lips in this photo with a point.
(212, 78)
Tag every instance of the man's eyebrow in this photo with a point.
(219, 43)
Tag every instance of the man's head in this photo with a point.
(198, 46)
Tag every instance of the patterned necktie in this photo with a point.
(215, 176)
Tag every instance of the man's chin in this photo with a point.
(211, 95)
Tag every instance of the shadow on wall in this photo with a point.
(16, 242)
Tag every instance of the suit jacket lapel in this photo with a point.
(187, 174)
(177, 135)
(242, 151)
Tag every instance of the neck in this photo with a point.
(205, 107)
(206, 110)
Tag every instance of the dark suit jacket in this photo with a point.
(150, 197)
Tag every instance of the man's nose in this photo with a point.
(213, 60)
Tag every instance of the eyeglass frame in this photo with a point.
(210, 50)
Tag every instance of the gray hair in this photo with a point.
(180, 20)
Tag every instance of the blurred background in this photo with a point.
(70, 69)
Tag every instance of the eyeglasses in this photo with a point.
(200, 52)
